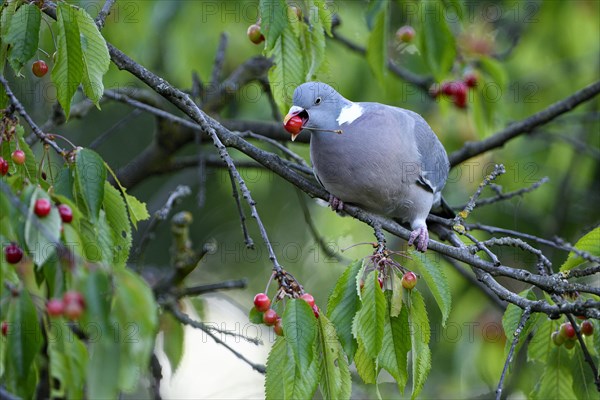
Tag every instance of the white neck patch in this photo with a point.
(349, 114)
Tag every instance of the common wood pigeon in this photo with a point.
(382, 158)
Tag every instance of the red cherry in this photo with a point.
(316, 311)
(380, 280)
(587, 328)
(66, 214)
(307, 297)
(39, 68)
(470, 79)
(4, 328)
(270, 317)
(262, 302)
(254, 34)
(460, 95)
(409, 280)
(405, 34)
(55, 307)
(278, 328)
(13, 253)
(448, 88)
(294, 125)
(73, 297)
(73, 310)
(42, 207)
(18, 156)
(567, 331)
(3, 166)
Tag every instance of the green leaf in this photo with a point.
(96, 290)
(583, 378)
(137, 209)
(41, 234)
(68, 362)
(437, 42)
(590, 242)
(255, 316)
(482, 111)
(436, 281)
(22, 35)
(541, 343)
(396, 345)
(273, 14)
(313, 42)
(325, 15)
(103, 370)
(90, 175)
(63, 185)
(96, 59)
(173, 339)
(377, 47)
(336, 382)
(300, 328)
(136, 329)
(495, 70)
(288, 69)
(370, 318)
(25, 338)
(97, 241)
(365, 365)
(284, 379)
(557, 380)
(510, 321)
(68, 68)
(343, 305)
(118, 220)
(375, 8)
(420, 334)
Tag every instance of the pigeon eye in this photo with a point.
(318, 100)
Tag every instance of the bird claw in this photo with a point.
(335, 203)
(421, 243)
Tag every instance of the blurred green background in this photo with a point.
(557, 53)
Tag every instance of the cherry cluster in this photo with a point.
(262, 303)
(566, 333)
(18, 157)
(71, 305)
(458, 90)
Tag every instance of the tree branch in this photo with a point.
(527, 125)
(516, 335)
(211, 287)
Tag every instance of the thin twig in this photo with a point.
(219, 60)
(483, 247)
(516, 335)
(107, 133)
(313, 229)
(104, 12)
(505, 196)
(185, 319)
(247, 239)
(21, 110)
(211, 287)
(527, 125)
(461, 216)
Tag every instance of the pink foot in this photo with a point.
(421, 243)
(335, 203)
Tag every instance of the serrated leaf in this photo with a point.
(41, 234)
(68, 68)
(590, 242)
(541, 342)
(300, 328)
(437, 283)
(365, 365)
(325, 15)
(510, 321)
(583, 387)
(370, 319)
(118, 220)
(273, 15)
(284, 379)
(313, 41)
(343, 305)
(437, 42)
(22, 35)
(377, 47)
(420, 335)
(557, 380)
(96, 59)
(25, 337)
(288, 69)
(173, 339)
(90, 175)
(137, 209)
(68, 363)
(336, 382)
(97, 240)
(396, 345)
(63, 185)
(136, 330)
(103, 370)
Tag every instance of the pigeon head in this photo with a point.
(316, 106)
